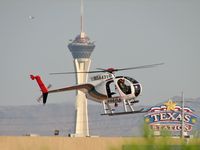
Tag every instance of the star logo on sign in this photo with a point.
(170, 105)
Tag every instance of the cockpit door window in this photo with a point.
(124, 86)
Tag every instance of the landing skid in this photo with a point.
(125, 113)
(128, 108)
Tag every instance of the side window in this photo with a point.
(110, 88)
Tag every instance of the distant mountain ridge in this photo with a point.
(43, 120)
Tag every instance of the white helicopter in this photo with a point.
(105, 88)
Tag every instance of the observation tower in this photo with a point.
(81, 49)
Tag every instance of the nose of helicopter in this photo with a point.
(138, 89)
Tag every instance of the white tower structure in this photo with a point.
(81, 49)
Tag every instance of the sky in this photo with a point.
(127, 33)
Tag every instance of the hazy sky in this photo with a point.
(126, 33)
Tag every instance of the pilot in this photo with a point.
(122, 85)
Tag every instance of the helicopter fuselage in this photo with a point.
(114, 90)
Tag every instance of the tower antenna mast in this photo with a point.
(81, 16)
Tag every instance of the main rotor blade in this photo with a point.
(140, 67)
(110, 70)
(102, 69)
(54, 73)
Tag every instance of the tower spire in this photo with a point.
(81, 16)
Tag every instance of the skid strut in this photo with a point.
(107, 108)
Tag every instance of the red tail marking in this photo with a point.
(40, 83)
(32, 77)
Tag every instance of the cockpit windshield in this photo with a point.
(127, 88)
(131, 79)
(124, 86)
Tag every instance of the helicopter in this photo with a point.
(105, 88)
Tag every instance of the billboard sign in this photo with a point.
(169, 117)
